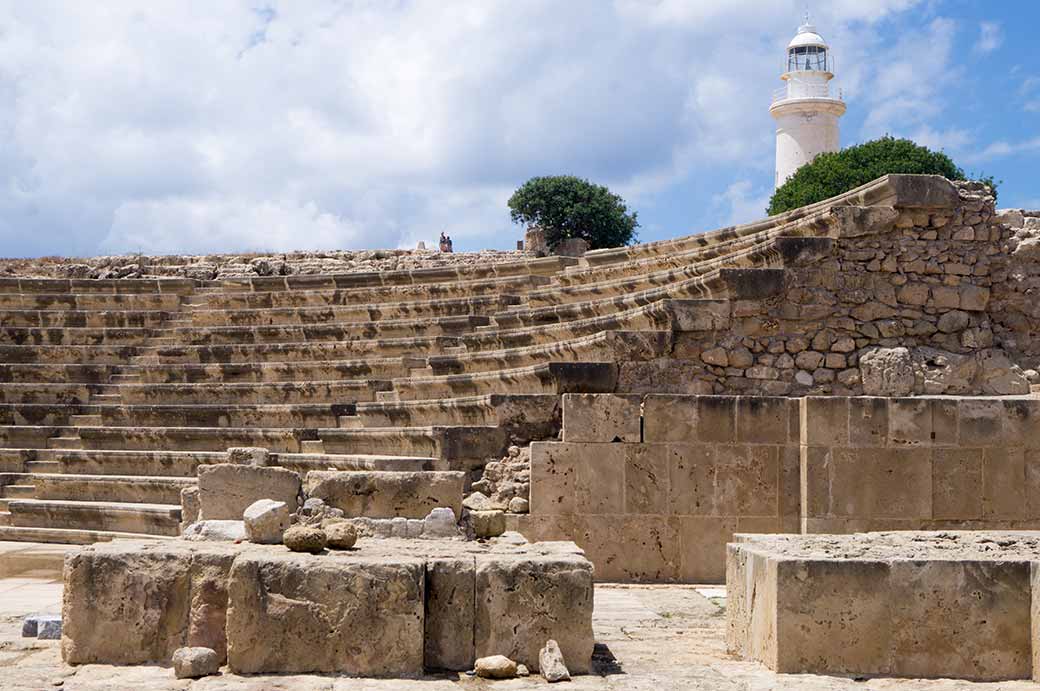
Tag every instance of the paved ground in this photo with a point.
(652, 638)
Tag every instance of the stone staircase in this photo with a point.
(113, 392)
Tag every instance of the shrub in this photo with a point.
(565, 206)
(831, 174)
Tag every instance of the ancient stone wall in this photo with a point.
(652, 488)
(930, 299)
(924, 463)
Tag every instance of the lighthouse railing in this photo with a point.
(796, 89)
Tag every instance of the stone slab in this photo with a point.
(227, 489)
(908, 604)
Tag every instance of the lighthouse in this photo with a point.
(805, 108)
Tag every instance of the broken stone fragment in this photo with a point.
(550, 663)
(303, 538)
(519, 505)
(478, 501)
(266, 520)
(440, 523)
(218, 531)
(495, 667)
(341, 533)
(248, 455)
(522, 671)
(192, 663)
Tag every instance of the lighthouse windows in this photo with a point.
(807, 58)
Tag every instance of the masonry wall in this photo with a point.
(659, 502)
(652, 488)
(922, 463)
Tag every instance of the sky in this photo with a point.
(192, 126)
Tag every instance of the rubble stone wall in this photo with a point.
(910, 300)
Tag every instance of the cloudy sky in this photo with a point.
(189, 126)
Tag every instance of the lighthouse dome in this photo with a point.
(807, 36)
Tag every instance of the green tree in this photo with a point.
(565, 206)
(831, 174)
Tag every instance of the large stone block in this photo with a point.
(131, 603)
(227, 489)
(577, 478)
(825, 604)
(601, 418)
(522, 601)
(296, 613)
(387, 494)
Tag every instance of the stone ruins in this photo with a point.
(394, 464)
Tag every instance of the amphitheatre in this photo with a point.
(583, 449)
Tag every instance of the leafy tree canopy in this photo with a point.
(565, 206)
(831, 174)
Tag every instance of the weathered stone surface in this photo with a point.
(340, 532)
(601, 418)
(386, 494)
(964, 603)
(266, 520)
(488, 523)
(887, 372)
(450, 592)
(248, 455)
(356, 616)
(192, 663)
(523, 601)
(551, 663)
(303, 538)
(189, 506)
(216, 531)
(132, 603)
(495, 667)
(226, 489)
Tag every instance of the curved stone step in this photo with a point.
(548, 378)
(142, 489)
(528, 416)
(114, 286)
(185, 415)
(90, 301)
(70, 536)
(459, 447)
(97, 319)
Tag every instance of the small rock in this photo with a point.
(495, 667)
(192, 663)
(522, 671)
(341, 534)
(440, 523)
(519, 505)
(313, 506)
(488, 523)
(478, 501)
(266, 520)
(511, 537)
(550, 663)
(303, 538)
(50, 628)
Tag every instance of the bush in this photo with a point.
(831, 174)
(565, 206)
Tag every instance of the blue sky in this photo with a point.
(197, 127)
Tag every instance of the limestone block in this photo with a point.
(524, 600)
(601, 418)
(122, 604)
(304, 538)
(386, 494)
(764, 420)
(265, 521)
(226, 490)
(577, 478)
(963, 613)
(887, 372)
(340, 532)
(189, 506)
(450, 584)
(488, 523)
(353, 615)
(689, 418)
(440, 523)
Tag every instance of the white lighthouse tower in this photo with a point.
(806, 111)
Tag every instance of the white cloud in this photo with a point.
(741, 203)
(991, 36)
(1000, 149)
(171, 126)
